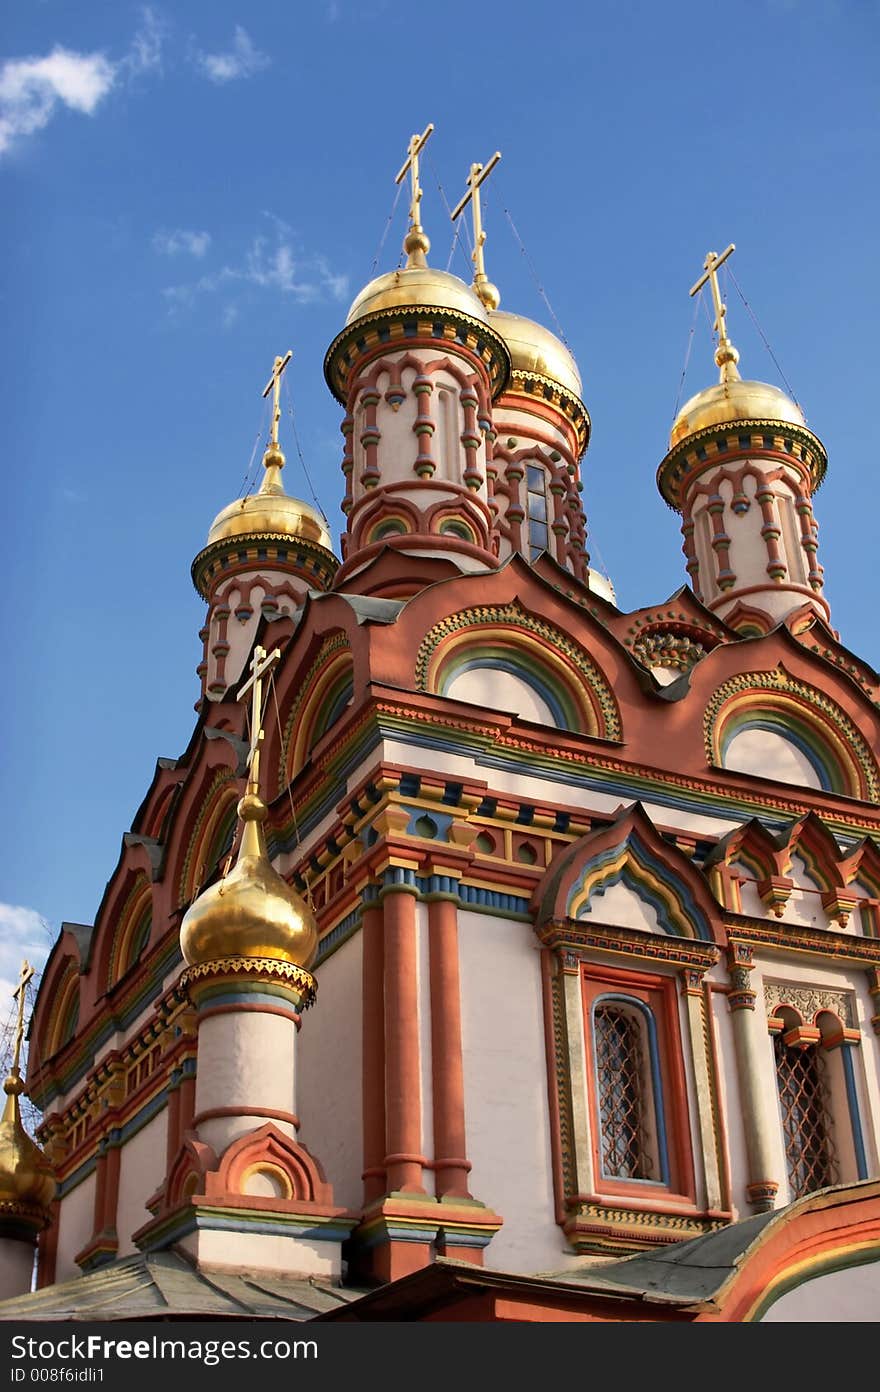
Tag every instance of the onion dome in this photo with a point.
(731, 400)
(253, 912)
(27, 1182)
(757, 407)
(268, 516)
(419, 299)
(543, 367)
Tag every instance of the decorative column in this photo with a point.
(403, 1119)
(569, 975)
(451, 1165)
(699, 1024)
(750, 1044)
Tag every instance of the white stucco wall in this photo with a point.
(329, 1054)
(496, 690)
(245, 1059)
(74, 1227)
(769, 755)
(141, 1171)
(505, 1085)
(623, 906)
(731, 1103)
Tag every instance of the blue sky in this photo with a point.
(190, 189)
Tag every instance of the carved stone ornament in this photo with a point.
(809, 1000)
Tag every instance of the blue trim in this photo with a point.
(656, 1085)
(344, 929)
(855, 1119)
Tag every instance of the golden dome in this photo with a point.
(536, 351)
(27, 1182)
(270, 512)
(416, 286)
(734, 400)
(253, 912)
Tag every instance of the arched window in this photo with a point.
(632, 1142)
(807, 1126)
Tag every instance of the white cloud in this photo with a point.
(31, 89)
(24, 933)
(145, 50)
(269, 263)
(173, 243)
(242, 60)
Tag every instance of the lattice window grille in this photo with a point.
(807, 1125)
(621, 1088)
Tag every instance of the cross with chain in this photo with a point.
(27, 973)
(416, 144)
(274, 385)
(478, 176)
(710, 273)
(260, 663)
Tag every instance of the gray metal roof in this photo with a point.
(164, 1285)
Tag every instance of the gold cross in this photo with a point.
(274, 383)
(478, 175)
(710, 273)
(260, 664)
(416, 144)
(27, 973)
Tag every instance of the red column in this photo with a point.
(187, 1106)
(172, 1134)
(403, 1120)
(373, 1053)
(451, 1164)
(111, 1189)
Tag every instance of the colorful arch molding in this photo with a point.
(632, 850)
(808, 718)
(322, 696)
(544, 657)
(64, 1018)
(132, 929)
(210, 832)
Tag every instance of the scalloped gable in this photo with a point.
(632, 850)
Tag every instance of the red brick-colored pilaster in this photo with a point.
(373, 1053)
(450, 1144)
(403, 1120)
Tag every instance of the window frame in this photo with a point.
(656, 997)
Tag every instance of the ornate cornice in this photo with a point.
(384, 329)
(203, 568)
(808, 1001)
(692, 453)
(253, 970)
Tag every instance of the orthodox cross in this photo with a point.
(416, 145)
(274, 385)
(710, 273)
(478, 175)
(27, 973)
(259, 665)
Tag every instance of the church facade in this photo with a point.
(498, 946)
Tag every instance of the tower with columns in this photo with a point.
(589, 900)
